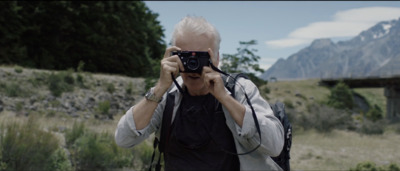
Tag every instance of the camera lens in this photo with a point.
(193, 63)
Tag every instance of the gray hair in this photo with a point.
(197, 26)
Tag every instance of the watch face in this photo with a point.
(150, 96)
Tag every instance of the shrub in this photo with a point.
(80, 66)
(288, 103)
(129, 88)
(341, 97)
(67, 76)
(59, 161)
(38, 79)
(77, 131)
(365, 166)
(142, 156)
(99, 152)
(371, 166)
(104, 107)
(94, 151)
(375, 113)
(26, 146)
(80, 79)
(19, 106)
(60, 82)
(369, 127)
(18, 69)
(110, 87)
(15, 90)
(324, 118)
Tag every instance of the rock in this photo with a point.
(74, 115)
(87, 116)
(90, 102)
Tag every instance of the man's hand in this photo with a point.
(169, 64)
(213, 81)
(215, 84)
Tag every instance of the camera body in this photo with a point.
(193, 61)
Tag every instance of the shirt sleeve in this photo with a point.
(272, 134)
(126, 134)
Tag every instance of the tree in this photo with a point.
(121, 37)
(244, 61)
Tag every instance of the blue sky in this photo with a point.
(281, 28)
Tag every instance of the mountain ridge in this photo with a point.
(373, 52)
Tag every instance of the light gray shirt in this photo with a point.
(246, 137)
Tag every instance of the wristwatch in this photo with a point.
(152, 97)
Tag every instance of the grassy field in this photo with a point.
(338, 150)
(311, 150)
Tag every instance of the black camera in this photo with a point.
(193, 61)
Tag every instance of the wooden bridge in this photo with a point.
(391, 85)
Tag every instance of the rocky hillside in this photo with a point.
(374, 52)
(77, 94)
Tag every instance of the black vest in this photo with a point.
(199, 131)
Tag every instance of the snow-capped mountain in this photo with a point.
(374, 52)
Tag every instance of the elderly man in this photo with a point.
(207, 121)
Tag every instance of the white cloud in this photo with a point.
(344, 24)
(288, 42)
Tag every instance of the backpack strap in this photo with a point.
(166, 121)
(165, 130)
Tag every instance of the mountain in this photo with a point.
(374, 52)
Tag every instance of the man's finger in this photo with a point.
(169, 50)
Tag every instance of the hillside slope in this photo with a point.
(83, 95)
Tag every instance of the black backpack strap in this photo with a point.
(166, 121)
(165, 130)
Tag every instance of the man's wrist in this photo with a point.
(159, 90)
(152, 95)
(225, 98)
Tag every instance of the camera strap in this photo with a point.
(176, 84)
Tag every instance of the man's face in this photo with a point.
(190, 42)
